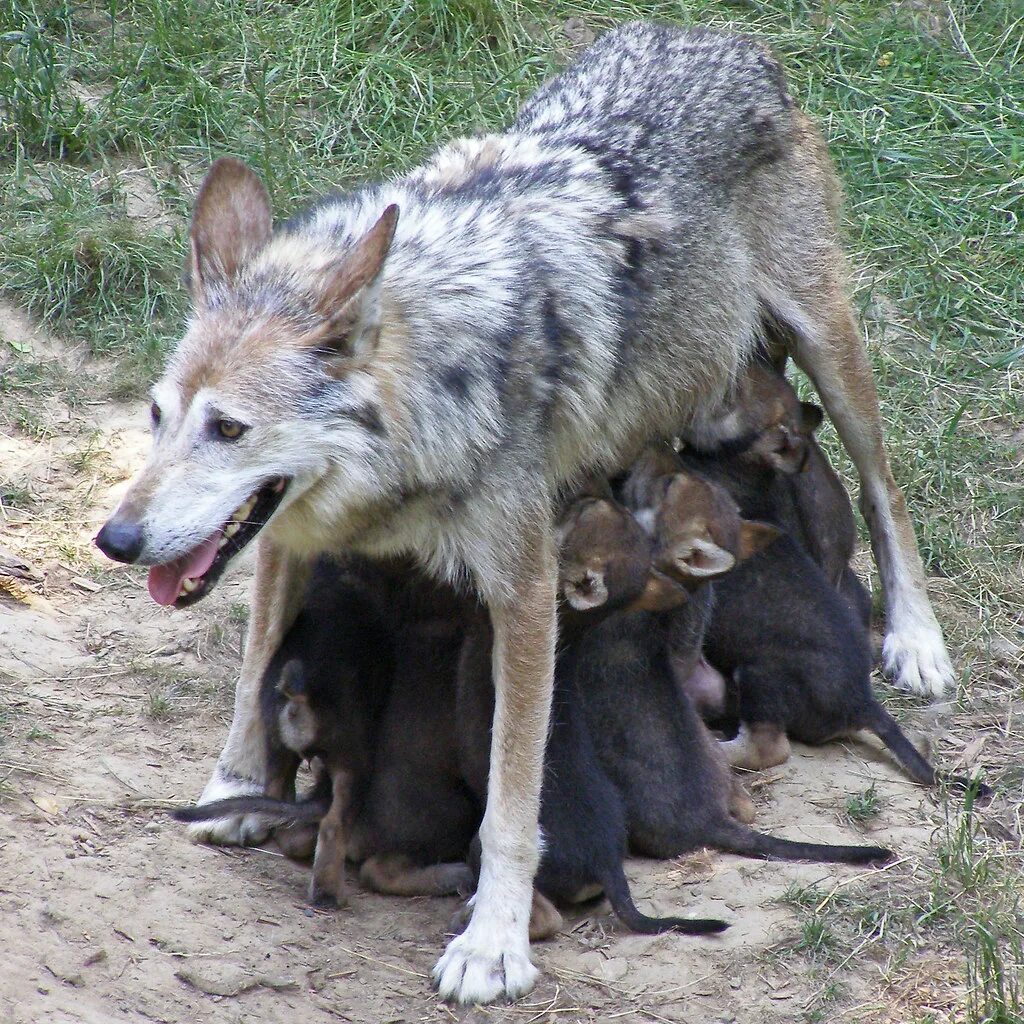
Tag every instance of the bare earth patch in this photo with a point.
(113, 710)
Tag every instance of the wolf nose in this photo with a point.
(120, 539)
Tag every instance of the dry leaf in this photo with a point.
(46, 804)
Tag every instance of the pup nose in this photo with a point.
(120, 539)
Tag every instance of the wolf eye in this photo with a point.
(154, 414)
(230, 430)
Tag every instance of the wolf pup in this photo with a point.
(678, 791)
(548, 300)
(605, 565)
(795, 650)
(322, 696)
(798, 488)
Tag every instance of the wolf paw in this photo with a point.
(914, 659)
(484, 968)
(236, 829)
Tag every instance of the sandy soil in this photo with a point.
(115, 710)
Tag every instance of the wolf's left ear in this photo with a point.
(348, 296)
(231, 221)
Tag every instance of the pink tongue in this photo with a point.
(165, 580)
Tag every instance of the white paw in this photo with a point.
(479, 968)
(914, 658)
(236, 830)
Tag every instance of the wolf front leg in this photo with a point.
(491, 958)
(277, 595)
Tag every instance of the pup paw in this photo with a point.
(483, 969)
(915, 660)
(236, 829)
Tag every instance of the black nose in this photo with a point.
(120, 539)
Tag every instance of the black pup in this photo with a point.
(676, 786)
(795, 648)
(365, 681)
(604, 565)
(322, 697)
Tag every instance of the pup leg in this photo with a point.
(829, 349)
(757, 746)
(397, 875)
(327, 886)
(491, 958)
(741, 807)
(277, 594)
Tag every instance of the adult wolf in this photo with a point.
(548, 300)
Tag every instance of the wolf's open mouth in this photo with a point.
(191, 577)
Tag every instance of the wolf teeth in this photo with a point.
(188, 586)
(244, 510)
(229, 531)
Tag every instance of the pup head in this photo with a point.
(763, 421)
(697, 529)
(297, 721)
(283, 330)
(604, 556)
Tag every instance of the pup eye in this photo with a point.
(154, 414)
(230, 430)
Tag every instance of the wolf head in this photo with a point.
(271, 411)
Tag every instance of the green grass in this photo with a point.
(863, 807)
(923, 106)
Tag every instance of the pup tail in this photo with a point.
(284, 811)
(736, 838)
(887, 729)
(616, 888)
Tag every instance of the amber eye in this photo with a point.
(230, 430)
(154, 414)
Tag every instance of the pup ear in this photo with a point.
(585, 590)
(755, 536)
(660, 595)
(700, 558)
(811, 417)
(292, 684)
(231, 221)
(348, 297)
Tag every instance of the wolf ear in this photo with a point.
(231, 221)
(700, 558)
(660, 595)
(754, 536)
(348, 297)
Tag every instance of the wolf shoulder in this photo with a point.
(674, 95)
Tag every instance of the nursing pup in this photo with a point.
(322, 697)
(417, 366)
(677, 788)
(794, 647)
(604, 566)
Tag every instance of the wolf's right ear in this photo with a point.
(231, 221)
(348, 297)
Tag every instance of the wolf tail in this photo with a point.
(736, 838)
(616, 888)
(284, 811)
(887, 729)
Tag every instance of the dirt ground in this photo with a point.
(114, 710)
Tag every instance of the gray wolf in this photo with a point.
(420, 365)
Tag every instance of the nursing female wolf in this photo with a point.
(421, 365)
